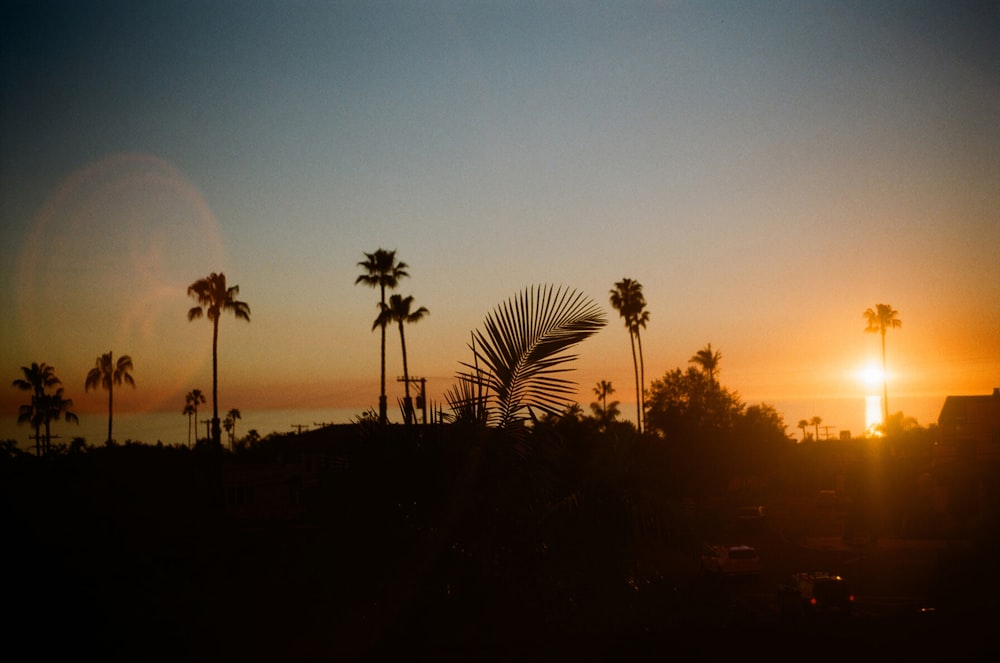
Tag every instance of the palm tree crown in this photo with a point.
(382, 271)
(628, 300)
(816, 421)
(880, 319)
(230, 424)
(398, 311)
(38, 378)
(604, 411)
(708, 360)
(107, 373)
(214, 297)
(802, 425)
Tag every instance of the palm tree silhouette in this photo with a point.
(55, 406)
(382, 271)
(231, 418)
(191, 402)
(802, 425)
(816, 421)
(213, 298)
(517, 360)
(879, 320)
(398, 310)
(628, 300)
(107, 373)
(37, 379)
(605, 413)
(708, 360)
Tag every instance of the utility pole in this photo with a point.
(299, 428)
(826, 431)
(421, 396)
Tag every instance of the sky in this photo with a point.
(767, 171)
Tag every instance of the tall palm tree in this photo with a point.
(382, 271)
(816, 421)
(879, 320)
(518, 359)
(107, 373)
(628, 300)
(214, 297)
(802, 426)
(708, 360)
(231, 418)
(192, 400)
(37, 379)
(398, 311)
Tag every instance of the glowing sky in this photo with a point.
(767, 171)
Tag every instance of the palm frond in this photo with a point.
(520, 356)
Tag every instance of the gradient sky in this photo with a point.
(766, 170)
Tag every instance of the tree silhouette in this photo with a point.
(628, 300)
(230, 425)
(802, 425)
(708, 360)
(213, 299)
(518, 358)
(38, 378)
(605, 412)
(398, 311)
(816, 421)
(382, 271)
(107, 373)
(192, 400)
(56, 407)
(879, 320)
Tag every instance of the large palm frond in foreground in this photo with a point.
(520, 355)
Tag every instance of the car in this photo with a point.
(730, 560)
(815, 593)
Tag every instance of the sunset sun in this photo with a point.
(871, 376)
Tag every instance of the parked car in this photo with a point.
(730, 560)
(815, 592)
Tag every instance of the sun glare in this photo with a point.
(871, 376)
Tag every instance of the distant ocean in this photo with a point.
(172, 428)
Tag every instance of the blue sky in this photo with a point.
(767, 171)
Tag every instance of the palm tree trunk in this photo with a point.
(216, 428)
(111, 391)
(407, 403)
(38, 427)
(642, 378)
(382, 405)
(111, 388)
(638, 395)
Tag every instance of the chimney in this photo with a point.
(996, 392)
